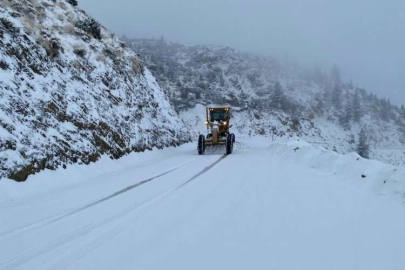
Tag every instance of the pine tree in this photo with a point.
(318, 75)
(184, 93)
(350, 85)
(318, 105)
(335, 75)
(384, 110)
(286, 62)
(356, 107)
(390, 113)
(72, 2)
(295, 118)
(178, 84)
(375, 106)
(277, 97)
(221, 79)
(403, 111)
(336, 97)
(346, 117)
(326, 95)
(363, 148)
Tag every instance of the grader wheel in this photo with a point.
(201, 144)
(229, 144)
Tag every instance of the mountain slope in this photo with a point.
(274, 97)
(70, 91)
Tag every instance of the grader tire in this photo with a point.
(229, 144)
(201, 144)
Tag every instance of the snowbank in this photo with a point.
(382, 178)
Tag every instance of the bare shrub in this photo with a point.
(41, 14)
(90, 26)
(7, 4)
(73, 2)
(62, 5)
(55, 28)
(9, 26)
(83, 12)
(79, 50)
(47, 4)
(110, 53)
(4, 65)
(70, 17)
(69, 29)
(101, 58)
(60, 17)
(77, 65)
(29, 25)
(137, 65)
(52, 47)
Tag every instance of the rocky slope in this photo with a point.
(70, 91)
(274, 97)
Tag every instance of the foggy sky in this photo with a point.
(366, 39)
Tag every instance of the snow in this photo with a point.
(59, 109)
(270, 205)
(279, 202)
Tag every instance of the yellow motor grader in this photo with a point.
(217, 122)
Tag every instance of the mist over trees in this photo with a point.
(363, 148)
(277, 98)
(219, 75)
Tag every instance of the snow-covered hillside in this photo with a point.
(70, 92)
(270, 205)
(271, 96)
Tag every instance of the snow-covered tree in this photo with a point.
(221, 79)
(296, 114)
(277, 96)
(350, 85)
(336, 96)
(317, 75)
(356, 107)
(384, 110)
(335, 75)
(318, 106)
(363, 148)
(346, 117)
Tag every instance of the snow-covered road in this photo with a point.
(260, 208)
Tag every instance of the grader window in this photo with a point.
(218, 116)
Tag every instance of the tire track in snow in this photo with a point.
(83, 251)
(205, 170)
(55, 218)
(28, 255)
(35, 252)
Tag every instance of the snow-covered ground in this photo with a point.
(270, 205)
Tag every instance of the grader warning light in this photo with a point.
(218, 125)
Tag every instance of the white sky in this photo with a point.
(366, 39)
